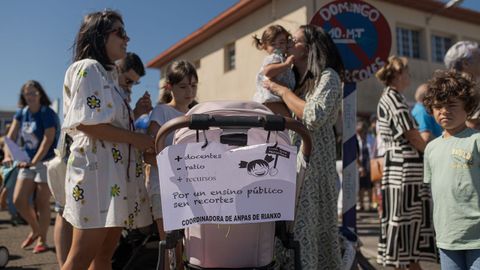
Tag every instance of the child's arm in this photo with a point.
(427, 172)
(272, 70)
(152, 130)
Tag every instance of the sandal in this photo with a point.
(29, 241)
(40, 248)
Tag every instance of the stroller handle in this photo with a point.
(205, 121)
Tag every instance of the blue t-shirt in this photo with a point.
(425, 121)
(33, 126)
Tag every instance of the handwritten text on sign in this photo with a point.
(216, 185)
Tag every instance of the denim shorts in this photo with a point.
(460, 259)
(37, 173)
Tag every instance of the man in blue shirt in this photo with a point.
(130, 70)
(428, 128)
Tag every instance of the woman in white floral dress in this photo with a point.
(104, 182)
(316, 102)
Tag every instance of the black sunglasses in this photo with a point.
(131, 82)
(120, 32)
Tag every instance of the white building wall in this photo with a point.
(239, 84)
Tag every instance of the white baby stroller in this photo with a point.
(247, 246)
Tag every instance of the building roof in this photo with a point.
(436, 8)
(244, 7)
(222, 21)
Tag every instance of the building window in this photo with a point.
(408, 42)
(230, 57)
(440, 46)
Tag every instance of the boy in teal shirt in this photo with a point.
(452, 167)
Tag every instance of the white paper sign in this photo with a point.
(16, 152)
(216, 185)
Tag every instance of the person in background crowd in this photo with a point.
(315, 101)
(406, 227)
(39, 127)
(62, 232)
(178, 96)
(130, 70)
(464, 56)
(363, 167)
(105, 190)
(3, 190)
(452, 168)
(376, 151)
(9, 175)
(372, 135)
(428, 128)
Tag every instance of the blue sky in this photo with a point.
(36, 36)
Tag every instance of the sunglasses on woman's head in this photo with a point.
(120, 32)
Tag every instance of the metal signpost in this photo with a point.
(363, 38)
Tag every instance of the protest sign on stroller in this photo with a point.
(215, 184)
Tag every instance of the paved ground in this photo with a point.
(368, 229)
(11, 237)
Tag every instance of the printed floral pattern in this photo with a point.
(82, 73)
(93, 102)
(115, 191)
(77, 193)
(138, 169)
(94, 147)
(117, 156)
(136, 210)
(129, 222)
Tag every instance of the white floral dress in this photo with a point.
(103, 187)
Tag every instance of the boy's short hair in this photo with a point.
(447, 85)
(131, 61)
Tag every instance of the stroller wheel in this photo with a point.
(4, 254)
